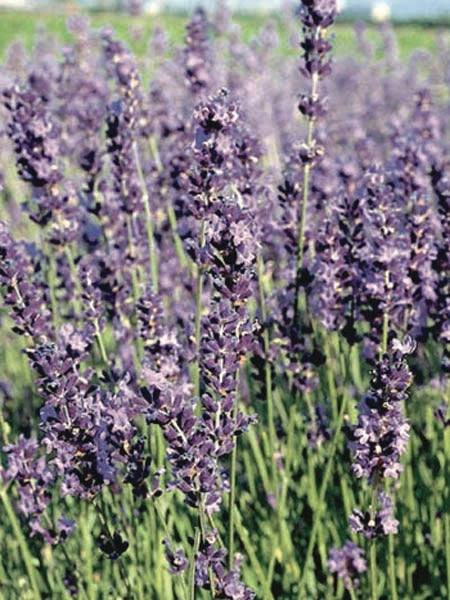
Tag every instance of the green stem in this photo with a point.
(384, 341)
(391, 541)
(373, 569)
(392, 569)
(305, 190)
(323, 489)
(447, 503)
(191, 576)
(103, 518)
(69, 560)
(101, 344)
(87, 547)
(373, 544)
(267, 374)
(447, 550)
(154, 150)
(76, 281)
(284, 538)
(27, 558)
(201, 514)
(258, 457)
(250, 552)
(176, 238)
(352, 593)
(168, 535)
(232, 498)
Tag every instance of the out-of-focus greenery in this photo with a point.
(136, 30)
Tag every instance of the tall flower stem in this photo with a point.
(76, 281)
(385, 332)
(191, 575)
(373, 547)
(447, 513)
(251, 553)
(27, 558)
(176, 238)
(352, 593)
(232, 497)
(391, 541)
(284, 539)
(303, 214)
(201, 515)
(321, 498)
(267, 372)
(100, 508)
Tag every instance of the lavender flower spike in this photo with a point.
(347, 562)
(381, 435)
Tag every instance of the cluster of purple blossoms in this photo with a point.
(374, 247)
(227, 584)
(198, 440)
(316, 16)
(197, 57)
(36, 144)
(319, 431)
(124, 122)
(381, 435)
(373, 523)
(86, 430)
(347, 562)
(22, 296)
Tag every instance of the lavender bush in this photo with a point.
(225, 316)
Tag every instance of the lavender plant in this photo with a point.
(207, 261)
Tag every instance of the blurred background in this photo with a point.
(395, 9)
(419, 24)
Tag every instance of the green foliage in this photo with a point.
(135, 30)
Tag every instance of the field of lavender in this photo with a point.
(225, 335)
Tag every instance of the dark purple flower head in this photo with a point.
(375, 522)
(382, 432)
(232, 585)
(138, 468)
(65, 527)
(34, 478)
(319, 431)
(347, 562)
(210, 562)
(318, 13)
(197, 53)
(176, 558)
(442, 413)
(35, 137)
(112, 545)
(316, 17)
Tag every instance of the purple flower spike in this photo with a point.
(316, 16)
(381, 435)
(381, 522)
(176, 558)
(347, 562)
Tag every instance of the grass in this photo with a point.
(136, 30)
